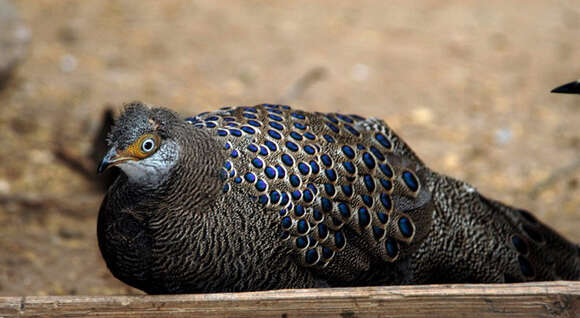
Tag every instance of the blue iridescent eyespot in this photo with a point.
(232, 173)
(314, 166)
(296, 195)
(303, 168)
(233, 125)
(326, 160)
(311, 256)
(274, 134)
(339, 240)
(257, 162)
(327, 253)
(328, 138)
(271, 145)
(410, 181)
(263, 151)
(252, 116)
(377, 153)
(330, 174)
(228, 165)
(382, 217)
(368, 160)
(212, 118)
(275, 117)
(281, 171)
(307, 196)
(294, 180)
(287, 160)
(317, 215)
(296, 135)
(347, 190)
(270, 105)
(349, 167)
(229, 119)
(261, 185)
(520, 244)
(386, 201)
(254, 123)
(352, 130)
(248, 129)
(210, 124)
(344, 118)
(331, 118)
(326, 204)
(300, 126)
(285, 107)
(387, 171)
(276, 125)
(369, 183)
(388, 185)
(252, 148)
(275, 111)
(313, 188)
(309, 136)
(284, 235)
(367, 199)
(285, 199)
(222, 132)
(250, 109)
(364, 218)
(383, 140)
(309, 149)
(263, 199)
(235, 132)
(297, 115)
(238, 180)
(270, 172)
(299, 210)
(302, 226)
(329, 188)
(406, 227)
(291, 146)
(347, 150)
(378, 232)
(234, 153)
(360, 147)
(332, 127)
(322, 230)
(250, 177)
(227, 145)
(391, 247)
(286, 222)
(344, 210)
(274, 196)
(226, 188)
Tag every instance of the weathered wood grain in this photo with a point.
(546, 299)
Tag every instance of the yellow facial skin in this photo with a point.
(142, 148)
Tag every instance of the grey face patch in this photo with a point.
(153, 170)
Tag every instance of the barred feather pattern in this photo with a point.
(321, 173)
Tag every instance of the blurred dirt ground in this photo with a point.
(464, 82)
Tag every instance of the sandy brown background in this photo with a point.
(466, 83)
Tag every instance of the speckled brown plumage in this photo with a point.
(266, 197)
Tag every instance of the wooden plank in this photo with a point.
(545, 299)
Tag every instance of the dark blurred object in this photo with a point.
(569, 88)
(87, 165)
(14, 38)
(99, 149)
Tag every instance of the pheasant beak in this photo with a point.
(113, 158)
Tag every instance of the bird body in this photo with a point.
(268, 197)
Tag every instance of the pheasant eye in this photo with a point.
(148, 145)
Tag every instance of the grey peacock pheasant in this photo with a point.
(267, 197)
